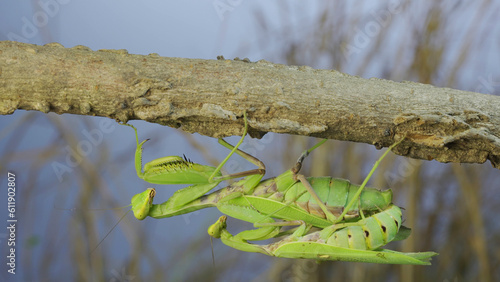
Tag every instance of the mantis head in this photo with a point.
(142, 202)
(215, 230)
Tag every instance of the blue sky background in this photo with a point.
(187, 29)
(31, 143)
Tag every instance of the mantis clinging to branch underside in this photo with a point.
(320, 202)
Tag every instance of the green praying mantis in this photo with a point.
(357, 242)
(330, 204)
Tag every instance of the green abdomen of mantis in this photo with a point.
(336, 194)
(294, 199)
(370, 233)
(374, 232)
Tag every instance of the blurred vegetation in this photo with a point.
(450, 207)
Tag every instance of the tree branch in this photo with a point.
(208, 96)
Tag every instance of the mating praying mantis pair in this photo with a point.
(351, 222)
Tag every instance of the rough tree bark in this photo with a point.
(210, 96)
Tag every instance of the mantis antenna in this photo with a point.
(112, 228)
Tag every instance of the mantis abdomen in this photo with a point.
(359, 241)
(336, 194)
(367, 234)
(285, 198)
